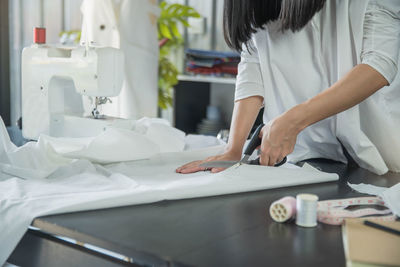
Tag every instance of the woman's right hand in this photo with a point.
(244, 114)
(194, 166)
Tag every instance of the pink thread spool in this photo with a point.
(283, 209)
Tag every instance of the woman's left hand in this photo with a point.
(278, 139)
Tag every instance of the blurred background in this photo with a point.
(201, 101)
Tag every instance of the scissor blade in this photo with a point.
(218, 164)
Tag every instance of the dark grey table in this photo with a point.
(230, 230)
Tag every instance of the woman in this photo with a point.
(322, 69)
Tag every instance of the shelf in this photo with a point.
(206, 79)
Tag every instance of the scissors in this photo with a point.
(255, 141)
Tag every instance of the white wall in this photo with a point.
(213, 38)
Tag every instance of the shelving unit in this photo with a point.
(194, 93)
(206, 79)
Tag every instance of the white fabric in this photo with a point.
(290, 68)
(391, 196)
(78, 184)
(38, 160)
(127, 25)
(195, 141)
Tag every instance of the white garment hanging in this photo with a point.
(131, 26)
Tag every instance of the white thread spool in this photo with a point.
(283, 209)
(306, 206)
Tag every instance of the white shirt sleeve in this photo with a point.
(381, 41)
(249, 80)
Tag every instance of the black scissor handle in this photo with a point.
(257, 162)
(255, 141)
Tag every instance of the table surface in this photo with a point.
(229, 230)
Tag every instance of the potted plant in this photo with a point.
(172, 17)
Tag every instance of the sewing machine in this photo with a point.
(63, 89)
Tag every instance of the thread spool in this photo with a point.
(283, 209)
(306, 207)
(39, 35)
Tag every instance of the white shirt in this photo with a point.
(290, 68)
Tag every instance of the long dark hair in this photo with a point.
(242, 18)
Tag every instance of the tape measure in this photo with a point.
(335, 211)
(307, 210)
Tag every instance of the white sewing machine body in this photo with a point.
(59, 85)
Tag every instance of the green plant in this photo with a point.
(76, 34)
(172, 15)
